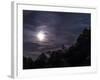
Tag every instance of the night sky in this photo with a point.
(57, 28)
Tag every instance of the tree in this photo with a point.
(27, 63)
(80, 52)
(41, 61)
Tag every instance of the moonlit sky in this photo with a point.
(57, 28)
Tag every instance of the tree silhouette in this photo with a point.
(27, 63)
(57, 59)
(80, 52)
(41, 61)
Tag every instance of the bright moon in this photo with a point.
(41, 36)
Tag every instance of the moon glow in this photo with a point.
(41, 36)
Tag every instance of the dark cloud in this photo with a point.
(59, 27)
